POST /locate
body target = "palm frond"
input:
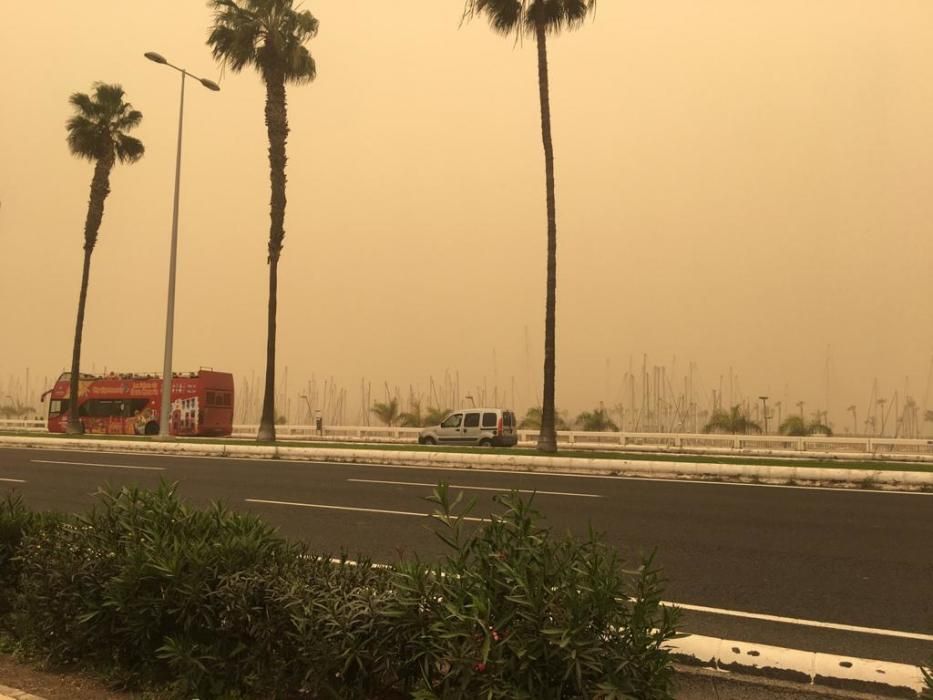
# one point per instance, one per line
(269, 35)
(98, 128)
(522, 17)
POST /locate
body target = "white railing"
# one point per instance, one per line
(712, 443)
(697, 443)
(30, 425)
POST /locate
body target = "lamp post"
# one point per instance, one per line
(170, 306)
(764, 411)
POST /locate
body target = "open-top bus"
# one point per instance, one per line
(130, 404)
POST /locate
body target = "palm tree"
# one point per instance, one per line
(412, 417)
(597, 421)
(532, 419)
(97, 132)
(434, 416)
(538, 18)
(796, 426)
(268, 35)
(387, 412)
(733, 421)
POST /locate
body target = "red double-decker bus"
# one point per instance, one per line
(130, 404)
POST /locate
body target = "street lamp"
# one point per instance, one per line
(764, 411)
(170, 307)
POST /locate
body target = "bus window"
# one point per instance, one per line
(133, 406)
(101, 408)
(58, 406)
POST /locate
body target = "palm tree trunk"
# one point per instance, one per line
(100, 188)
(74, 426)
(277, 128)
(547, 438)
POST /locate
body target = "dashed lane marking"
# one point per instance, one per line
(349, 508)
(98, 464)
(502, 489)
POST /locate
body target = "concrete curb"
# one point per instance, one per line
(804, 667)
(480, 460)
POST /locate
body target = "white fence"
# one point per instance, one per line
(699, 443)
(711, 443)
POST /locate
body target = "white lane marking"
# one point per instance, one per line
(350, 508)
(803, 622)
(503, 489)
(97, 464)
(14, 481)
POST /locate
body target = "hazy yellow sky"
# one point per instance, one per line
(741, 184)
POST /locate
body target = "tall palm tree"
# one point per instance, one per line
(538, 18)
(97, 132)
(270, 36)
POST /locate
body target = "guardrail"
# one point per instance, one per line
(711, 443)
(32, 426)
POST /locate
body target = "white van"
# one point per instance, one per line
(486, 427)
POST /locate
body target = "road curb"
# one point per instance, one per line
(569, 465)
(885, 678)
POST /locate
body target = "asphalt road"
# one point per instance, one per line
(787, 566)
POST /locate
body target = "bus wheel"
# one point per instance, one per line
(152, 428)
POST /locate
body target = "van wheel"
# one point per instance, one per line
(430, 441)
(485, 442)
(152, 428)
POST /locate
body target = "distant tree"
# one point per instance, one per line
(412, 418)
(796, 426)
(538, 19)
(270, 36)
(387, 412)
(532, 420)
(733, 421)
(97, 132)
(434, 415)
(928, 416)
(16, 410)
(596, 421)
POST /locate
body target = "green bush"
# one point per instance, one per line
(15, 522)
(132, 584)
(514, 611)
(927, 693)
(214, 604)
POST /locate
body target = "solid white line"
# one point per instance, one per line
(802, 622)
(14, 481)
(96, 464)
(771, 618)
(503, 489)
(350, 508)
